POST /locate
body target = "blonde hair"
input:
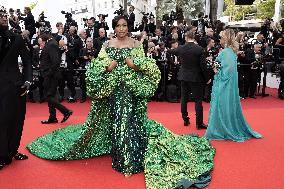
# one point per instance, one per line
(240, 36)
(230, 39)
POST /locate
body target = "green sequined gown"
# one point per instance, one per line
(117, 124)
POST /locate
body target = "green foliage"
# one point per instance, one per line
(265, 9)
(262, 8)
(190, 8)
(236, 12)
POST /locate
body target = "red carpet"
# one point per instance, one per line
(254, 164)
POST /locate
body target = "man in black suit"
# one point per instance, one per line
(14, 84)
(98, 42)
(90, 28)
(251, 72)
(29, 21)
(131, 19)
(49, 66)
(193, 75)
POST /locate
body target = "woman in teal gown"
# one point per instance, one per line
(119, 82)
(226, 120)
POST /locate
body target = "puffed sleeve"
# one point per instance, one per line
(100, 83)
(143, 83)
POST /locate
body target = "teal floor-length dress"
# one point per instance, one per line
(117, 125)
(226, 120)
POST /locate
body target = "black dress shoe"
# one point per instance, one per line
(186, 122)
(49, 121)
(20, 156)
(71, 99)
(66, 116)
(202, 126)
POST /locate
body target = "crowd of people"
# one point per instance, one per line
(78, 48)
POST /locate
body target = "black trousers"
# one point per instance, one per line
(83, 85)
(37, 84)
(196, 89)
(67, 75)
(12, 116)
(251, 82)
(50, 90)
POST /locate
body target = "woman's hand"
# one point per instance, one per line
(130, 63)
(112, 65)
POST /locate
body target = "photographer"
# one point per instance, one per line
(152, 25)
(90, 30)
(131, 19)
(172, 36)
(210, 54)
(243, 69)
(158, 37)
(203, 40)
(69, 22)
(29, 21)
(59, 35)
(173, 84)
(98, 42)
(42, 22)
(144, 26)
(201, 24)
(69, 57)
(265, 28)
(14, 22)
(86, 55)
(253, 58)
(37, 77)
(100, 24)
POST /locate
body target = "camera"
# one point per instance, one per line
(42, 17)
(120, 11)
(103, 16)
(170, 18)
(68, 15)
(69, 22)
(42, 22)
(18, 12)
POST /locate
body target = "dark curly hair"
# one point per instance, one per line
(116, 19)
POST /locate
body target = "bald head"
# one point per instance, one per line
(102, 32)
(82, 34)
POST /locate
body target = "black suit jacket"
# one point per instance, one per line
(29, 23)
(9, 53)
(193, 64)
(50, 59)
(131, 21)
(249, 56)
(98, 42)
(88, 32)
(36, 56)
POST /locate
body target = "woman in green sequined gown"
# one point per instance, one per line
(119, 81)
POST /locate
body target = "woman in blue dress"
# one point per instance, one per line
(226, 120)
